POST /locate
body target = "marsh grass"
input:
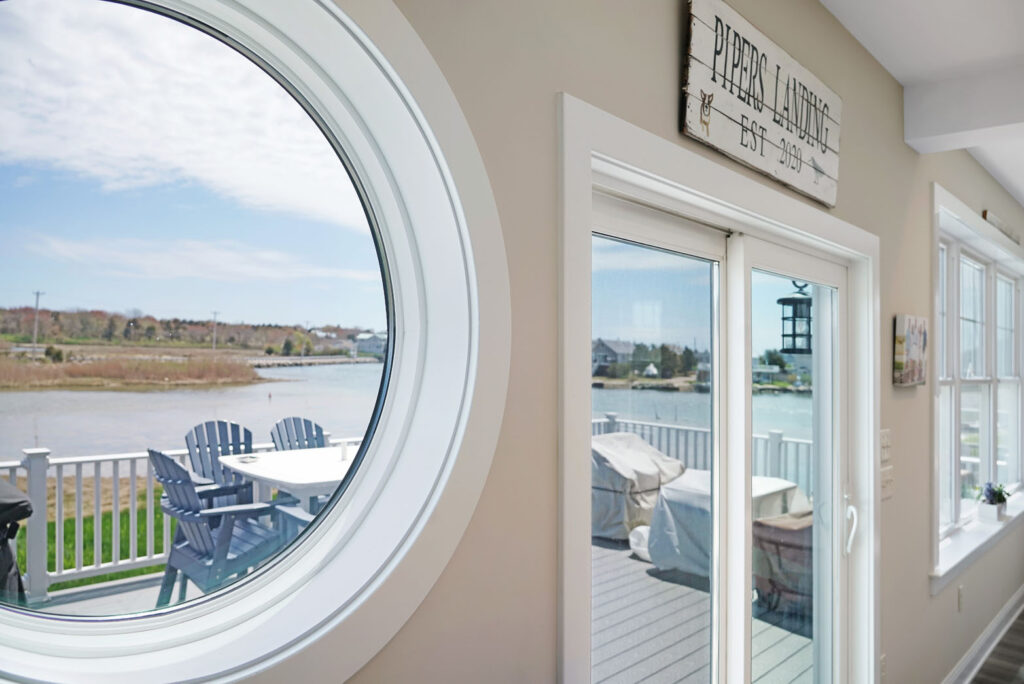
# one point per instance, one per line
(119, 373)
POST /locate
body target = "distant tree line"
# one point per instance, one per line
(773, 357)
(135, 327)
(668, 359)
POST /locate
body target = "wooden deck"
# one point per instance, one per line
(653, 626)
(119, 597)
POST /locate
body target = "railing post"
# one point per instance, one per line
(774, 463)
(36, 463)
(612, 419)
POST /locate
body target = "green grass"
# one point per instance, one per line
(107, 546)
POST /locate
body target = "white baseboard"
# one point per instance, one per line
(979, 651)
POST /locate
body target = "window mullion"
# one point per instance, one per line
(1018, 371)
(990, 328)
(951, 351)
(953, 335)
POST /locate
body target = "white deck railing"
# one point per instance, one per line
(91, 474)
(773, 454)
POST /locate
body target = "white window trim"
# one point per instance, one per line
(367, 565)
(957, 545)
(602, 152)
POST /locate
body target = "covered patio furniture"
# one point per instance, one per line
(209, 441)
(14, 506)
(680, 536)
(626, 474)
(212, 545)
(783, 562)
(297, 433)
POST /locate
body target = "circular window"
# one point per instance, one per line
(331, 238)
(196, 375)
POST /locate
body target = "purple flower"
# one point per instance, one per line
(993, 494)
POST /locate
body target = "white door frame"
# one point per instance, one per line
(602, 152)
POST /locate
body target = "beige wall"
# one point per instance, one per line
(491, 616)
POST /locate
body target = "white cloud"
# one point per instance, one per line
(223, 260)
(133, 99)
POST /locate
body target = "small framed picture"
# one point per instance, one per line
(909, 350)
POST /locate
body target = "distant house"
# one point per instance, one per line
(375, 343)
(763, 374)
(334, 344)
(603, 353)
(323, 334)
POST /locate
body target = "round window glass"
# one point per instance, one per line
(194, 318)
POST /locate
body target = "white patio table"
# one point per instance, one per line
(680, 535)
(303, 473)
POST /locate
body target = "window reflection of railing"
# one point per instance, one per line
(97, 499)
(773, 454)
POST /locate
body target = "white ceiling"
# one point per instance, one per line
(962, 68)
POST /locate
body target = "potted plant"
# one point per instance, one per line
(993, 502)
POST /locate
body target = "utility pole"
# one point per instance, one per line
(35, 328)
(215, 330)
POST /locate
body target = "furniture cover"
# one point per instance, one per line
(680, 537)
(626, 474)
(783, 562)
(14, 506)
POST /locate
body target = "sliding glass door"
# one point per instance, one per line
(719, 530)
(653, 435)
(793, 469)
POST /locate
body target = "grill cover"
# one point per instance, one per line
(14, 506)
(626, 474)
(784, 562)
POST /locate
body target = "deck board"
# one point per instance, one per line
(647, 626)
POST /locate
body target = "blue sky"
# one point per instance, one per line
(157, 169)
(647, 295)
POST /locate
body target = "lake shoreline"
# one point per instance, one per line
(122, 373)
(86, 421)
(101, 385)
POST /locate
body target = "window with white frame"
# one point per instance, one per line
(979, 378)
(368, 561)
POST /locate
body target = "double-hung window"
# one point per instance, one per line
(978, 404)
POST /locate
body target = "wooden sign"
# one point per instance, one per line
(745, 96)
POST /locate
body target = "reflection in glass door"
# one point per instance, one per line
(652, 361)
(792, 478)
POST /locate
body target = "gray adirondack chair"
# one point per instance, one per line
(212, 545)
(209, 441)
(297, 433)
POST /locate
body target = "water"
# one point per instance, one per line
(790, 413)
(79, 423)
(338, 397)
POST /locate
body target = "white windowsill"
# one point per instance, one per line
(965, 545)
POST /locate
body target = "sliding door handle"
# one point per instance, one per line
(851, 512)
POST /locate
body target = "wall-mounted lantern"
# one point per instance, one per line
(796, 321)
